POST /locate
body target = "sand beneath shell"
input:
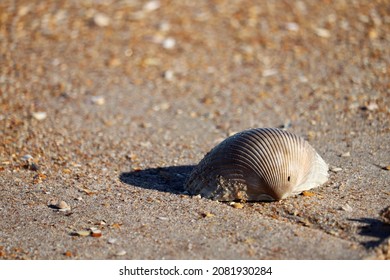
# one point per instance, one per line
(133, 95)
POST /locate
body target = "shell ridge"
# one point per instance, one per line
(273, 149)
(273, 168)
(303, 156)
(258, 144)
(259, 152)
(247, 149)
(296, 148)
(242, 156)
(264, 157)
(283, 159)
(228, 159)
(262, 145)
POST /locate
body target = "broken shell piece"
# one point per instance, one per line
(120, 253)
(112, 240)
(309, 194)
(33, 166)
(372, 106)
(346, 207)
(346, 154)
(30, 164)
(96, 232)
(151, 6)
(68, 254)
(39, 115)
(98, 100)
(207, 215)
(262, 164)
(101, 20)
(27, 158)
(322, 32)
(335, 169)
(169, 75)
(63, 206)
(60, 206)
(169, 43)
(237, 205)
(83, 233)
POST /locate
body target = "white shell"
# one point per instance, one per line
(262, 164)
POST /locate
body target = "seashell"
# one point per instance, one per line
(262, 164)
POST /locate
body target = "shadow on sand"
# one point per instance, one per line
(374, 228)
(167, 179)
(172, 179)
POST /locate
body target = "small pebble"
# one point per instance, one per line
(309, 194)
(322, 32)
(83, 233)
(101, 20)
(146, 144)
(96, 233)
(169, 75)
(27, 157)
(169, 43)
(98, 100)
(63, 206)
(292, 26)
(208, 215)
(111, 240)
(346, 154)
(30, 164)
(39, 115)
(66, 171)
(287, 124)
(373, 34)
(33, 166)
(372, 106)
(151, 61)
(128, 52)
(164, 26)
(303, 79)
(23, 10)
(151, 6)
(237, 205)
(163, 218)
(68, 254)
(120, 253)
(335, 169)
(347, 208)
(269, 72)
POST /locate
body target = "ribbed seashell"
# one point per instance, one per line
(261, 164)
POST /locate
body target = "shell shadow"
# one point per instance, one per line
(166, 179)
(374, 228)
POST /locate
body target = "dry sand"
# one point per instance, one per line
(116, 101)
